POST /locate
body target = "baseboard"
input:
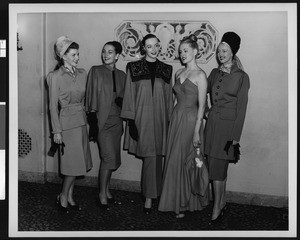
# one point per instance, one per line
(134, 186)
(31, 177)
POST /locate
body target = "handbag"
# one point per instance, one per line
(199, 174)
(54, 147)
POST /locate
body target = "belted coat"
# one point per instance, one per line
(66, 106)
(67, 93)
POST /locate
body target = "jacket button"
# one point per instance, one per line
(216, 93)
(218, 87)
(220, 80)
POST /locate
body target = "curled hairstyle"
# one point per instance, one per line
(191, 40)
(60, 61)
(143, 42)
(118, 47)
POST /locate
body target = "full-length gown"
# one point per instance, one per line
(176, 194)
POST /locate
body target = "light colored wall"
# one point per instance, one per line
(31, 89)
(263, 168)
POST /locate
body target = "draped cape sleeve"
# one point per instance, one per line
(92, 88)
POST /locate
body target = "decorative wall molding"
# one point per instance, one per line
(131, 33)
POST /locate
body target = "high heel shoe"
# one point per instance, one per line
(180, 215)
(74, 207)
(101, 205)
(111, 200)
(224, 209)
(60, 207)
(218, 219)
(147, 210)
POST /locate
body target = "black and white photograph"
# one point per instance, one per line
(152, 120)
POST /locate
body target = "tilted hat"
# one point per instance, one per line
(62, 44)
(233, 40)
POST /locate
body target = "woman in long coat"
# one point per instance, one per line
(148, 105)
(68, 118)
(104, 94)
(228, 88)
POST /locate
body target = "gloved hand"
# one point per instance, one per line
(236, 149)
(94, 129)
(119, 101)
(227, 146)
(133, 132)
(54, 147)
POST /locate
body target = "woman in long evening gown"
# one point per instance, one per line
(185, 132)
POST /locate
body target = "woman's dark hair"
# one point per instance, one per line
(60, 61)
(118, 47)
(191, 40)
(142, 44)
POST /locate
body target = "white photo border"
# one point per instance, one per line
(290, 8)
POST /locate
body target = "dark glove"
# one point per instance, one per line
(94, 129)
(133, 132)
(227, 146)
(236, 150)
(119, 102)
(54, 147)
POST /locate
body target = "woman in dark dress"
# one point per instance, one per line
(148, 105)
(228, 88)
(104, 94)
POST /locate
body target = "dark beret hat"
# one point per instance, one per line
(233, 40)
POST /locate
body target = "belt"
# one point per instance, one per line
(72, 105)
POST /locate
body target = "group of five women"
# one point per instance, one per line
(161, 130)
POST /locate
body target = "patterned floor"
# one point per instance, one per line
(37, 212)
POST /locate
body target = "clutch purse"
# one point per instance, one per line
(199, 174)
(54, 147)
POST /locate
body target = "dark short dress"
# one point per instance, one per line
(104, 85)
(109, 139)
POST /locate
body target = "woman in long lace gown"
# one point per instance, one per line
(185, 132)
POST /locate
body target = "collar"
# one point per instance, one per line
(109, 67)
(139, 70)
(229, 69)
(226, 69)
(67, 70)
